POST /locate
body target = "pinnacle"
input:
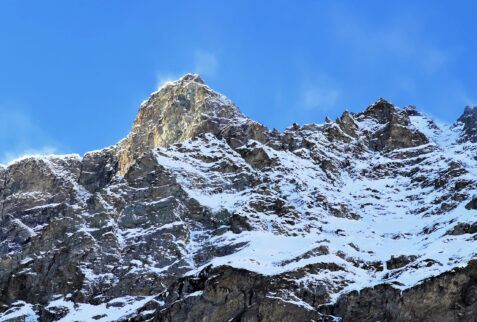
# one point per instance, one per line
(381, 110)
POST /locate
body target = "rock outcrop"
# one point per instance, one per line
(202, 214)
(469, 121)
(450, 297)
(396, 132)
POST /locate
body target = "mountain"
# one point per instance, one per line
(201, 214)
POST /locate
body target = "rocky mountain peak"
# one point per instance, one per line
(469, 121)
(179, 111)
(395, 130)
(382, 111)
(190, 94)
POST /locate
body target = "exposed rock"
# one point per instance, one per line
(98, 169)
(347, 124)
(461, 184)
(256, 156)
(469, 123)
(239, 224)
(202, 214)
(399, 261)
(382, 111)
(463, 228)
(471, 204)
(449, 297)
(180, 111)
(334, 133)
(411, 111)
(396, 134)
(227, 294)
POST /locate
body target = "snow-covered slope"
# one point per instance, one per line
(282, 225)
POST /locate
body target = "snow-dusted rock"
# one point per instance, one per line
(469, 120)
(203, 214)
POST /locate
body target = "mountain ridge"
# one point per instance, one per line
(382, 110)
(201, 213)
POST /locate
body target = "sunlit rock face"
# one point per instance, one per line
(181, 110)
(202, 214)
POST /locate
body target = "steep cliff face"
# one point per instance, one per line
(203, 214)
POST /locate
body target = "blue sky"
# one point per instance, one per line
(73, 73)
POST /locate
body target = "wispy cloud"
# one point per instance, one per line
(205, 63)
(163, 79)
(434, 59)
(201, 62)
(9, 156)
(320, 98)
(19, 135)
(464, 96)
(318, 92)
